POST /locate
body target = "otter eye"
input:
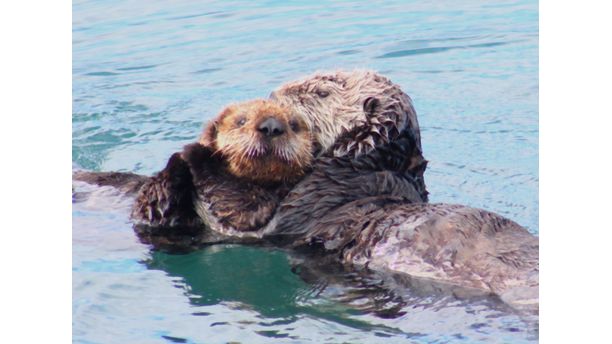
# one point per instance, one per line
(322, 93)
(294, 125)
(240, 121)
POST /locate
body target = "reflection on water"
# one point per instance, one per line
(391, 306)
(146, 74)
(231, 292)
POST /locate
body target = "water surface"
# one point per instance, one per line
(146, 74)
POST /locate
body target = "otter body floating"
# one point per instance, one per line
(360, 200)
(452, 244)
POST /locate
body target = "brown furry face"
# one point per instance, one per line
(335, 102)
(261, 141)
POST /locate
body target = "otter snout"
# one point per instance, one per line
(271, 127)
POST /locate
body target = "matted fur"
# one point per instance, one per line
(333, 103)
(452, 244)
(249, 153)
(351, 113)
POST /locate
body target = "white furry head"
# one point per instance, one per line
(333, 103)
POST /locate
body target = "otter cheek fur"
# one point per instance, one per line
(261, 141)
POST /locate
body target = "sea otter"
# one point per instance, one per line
(231, 181)
(350, 113)
(364, 209)
(233, 178)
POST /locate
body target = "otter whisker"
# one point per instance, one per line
(217, 151)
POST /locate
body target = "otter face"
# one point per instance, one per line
(332, 103)
(261, 141)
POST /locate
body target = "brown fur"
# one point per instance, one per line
(234, 177)
(230, 181)
(248, 153)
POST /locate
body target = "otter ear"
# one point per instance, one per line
(370, 104)
(209, 136)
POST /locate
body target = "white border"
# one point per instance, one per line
(575, 233)
(36, 170)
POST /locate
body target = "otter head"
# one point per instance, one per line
(336, 102)
(260, 141)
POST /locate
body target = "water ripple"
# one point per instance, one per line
(207, 70)
(421, 51)
(100, 73)
(136, 68)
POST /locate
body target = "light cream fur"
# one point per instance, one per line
(333, 103)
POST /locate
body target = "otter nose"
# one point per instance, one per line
(271, 127)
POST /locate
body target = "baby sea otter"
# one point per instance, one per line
(260, 141)
(232, 179)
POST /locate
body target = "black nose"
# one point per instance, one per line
(271, 127)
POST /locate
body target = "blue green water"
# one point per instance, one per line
(146, 74)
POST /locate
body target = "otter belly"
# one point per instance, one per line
(451, 244)
(461, 246)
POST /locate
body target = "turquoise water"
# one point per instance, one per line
(146, 74)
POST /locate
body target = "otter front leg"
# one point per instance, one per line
(400, 155)
(166, 199)
(126, 182)
(379, 127)
(386, 124)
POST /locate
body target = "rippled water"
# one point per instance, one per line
(146, 74)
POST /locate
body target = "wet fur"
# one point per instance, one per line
(283, 158)
(351, 113)
(452, 244)
(195, 201)
(233, 178)
(229, 182)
